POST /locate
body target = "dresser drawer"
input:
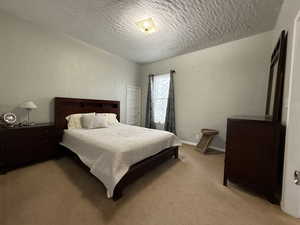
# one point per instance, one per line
(2, 161)
(24, 145)
(18, 152)
(253, 155)
(31, 132)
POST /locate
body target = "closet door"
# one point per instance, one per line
(133, 105)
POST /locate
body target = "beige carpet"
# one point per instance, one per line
(188, 191)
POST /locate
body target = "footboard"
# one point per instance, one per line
(139, 169)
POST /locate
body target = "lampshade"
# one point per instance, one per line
(28, 105)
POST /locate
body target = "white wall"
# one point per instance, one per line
(216, 83)
(285, 21)
(291, 192)
(37, 64)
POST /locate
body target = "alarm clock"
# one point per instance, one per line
(9, 119)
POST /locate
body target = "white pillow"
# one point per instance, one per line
(100, 121)
(111, 118)
(74, 120)
(87, 121)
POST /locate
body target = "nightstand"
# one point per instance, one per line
(20, 146)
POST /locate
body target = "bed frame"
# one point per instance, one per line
(67, 106)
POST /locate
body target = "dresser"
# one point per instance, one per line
(254, 155)
(20, 146)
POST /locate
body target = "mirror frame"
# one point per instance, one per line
(278, 59)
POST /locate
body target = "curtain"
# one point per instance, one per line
(170, 124)
(149, 107)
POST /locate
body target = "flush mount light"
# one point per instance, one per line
(146, 25)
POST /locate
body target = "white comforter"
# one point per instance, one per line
(109, 152)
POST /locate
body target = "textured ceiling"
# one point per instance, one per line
(183, 25)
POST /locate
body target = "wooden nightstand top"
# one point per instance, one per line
(37, 125)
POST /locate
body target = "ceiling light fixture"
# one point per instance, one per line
(146, 25)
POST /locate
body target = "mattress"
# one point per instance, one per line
(109, 152)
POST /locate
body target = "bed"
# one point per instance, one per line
(116, 155)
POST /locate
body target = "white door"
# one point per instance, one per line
(133, 105)
(291, 191)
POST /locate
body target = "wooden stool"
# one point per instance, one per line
(207, 137)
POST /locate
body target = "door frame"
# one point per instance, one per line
(292, 65)
(286, 204)
(140, 103)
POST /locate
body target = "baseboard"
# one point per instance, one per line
(217, 148)
(211, 147)
(188, 142)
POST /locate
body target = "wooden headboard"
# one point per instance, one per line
(66, 106)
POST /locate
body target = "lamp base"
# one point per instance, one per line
(28, 122)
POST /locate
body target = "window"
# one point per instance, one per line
(160, 98)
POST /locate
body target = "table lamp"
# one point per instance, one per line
(28, 106)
